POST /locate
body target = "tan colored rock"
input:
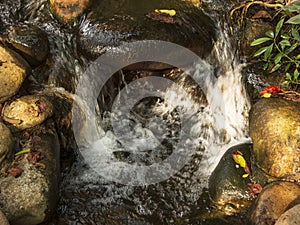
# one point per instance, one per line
(13, 71)
(273, 201)
(6, 141)
(27, 111)
(67, 10)
(32, 197)
(3, 220)
(290, 217)
(275, 132)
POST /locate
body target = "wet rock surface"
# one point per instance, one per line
(274, 201)
(112, 23)
(290, 217)
(227, 188)
(13, 71)
(31, 197)
(27, 111)
(30, 41)
(275, 131)
(6, 141)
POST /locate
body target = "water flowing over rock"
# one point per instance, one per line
(27, 111)
(275, 131)
(13, 71)
(273, 201)
(31, 198)
(6, 141)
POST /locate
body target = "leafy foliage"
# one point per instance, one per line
(282, 49)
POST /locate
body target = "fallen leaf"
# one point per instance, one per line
(238, 158)
(170, 12)
(266, 95)
(262, 14)
(247, 168)
(254, 188)
(270, 90)
(16, 172)
(33, 158)
(245, 175)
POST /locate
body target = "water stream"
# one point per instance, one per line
(149, 134)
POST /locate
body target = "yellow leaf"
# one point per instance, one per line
(267, 95)
(170, 12)
(239, 159)
(245, 175)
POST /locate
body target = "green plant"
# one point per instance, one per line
(284, 41)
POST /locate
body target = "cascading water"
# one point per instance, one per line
(148, 134)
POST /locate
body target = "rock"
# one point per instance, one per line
(3, 219)
(13, 70)
(273, 201)
(66, 10)
(27, 111)
(112, 23)
(227, 188)
(254, 29)
(6, 141)
(275, 132)
(30, 41)
(32, 197)
(290, 217)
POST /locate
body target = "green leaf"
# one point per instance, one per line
(294, 20)
(294, 7)
(287, 66)
(292, 48)
(297, 57)
(268, 52)
(285, 82)
(276, 67)
(285, 36)
(260, 41)
(284, 43)
(288, 76)
(278, 57)
(296, 74)
(266, 66)
(295, 34)
(278, 27)
(270, 34)
(260, 51)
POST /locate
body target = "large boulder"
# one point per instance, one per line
(27, 111)
(13, 71)
(6, 141)
(29, 193)
(275, 131)
(273, 201)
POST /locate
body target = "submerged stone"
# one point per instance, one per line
(13, 71)
(227, 187)
(275, 131)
